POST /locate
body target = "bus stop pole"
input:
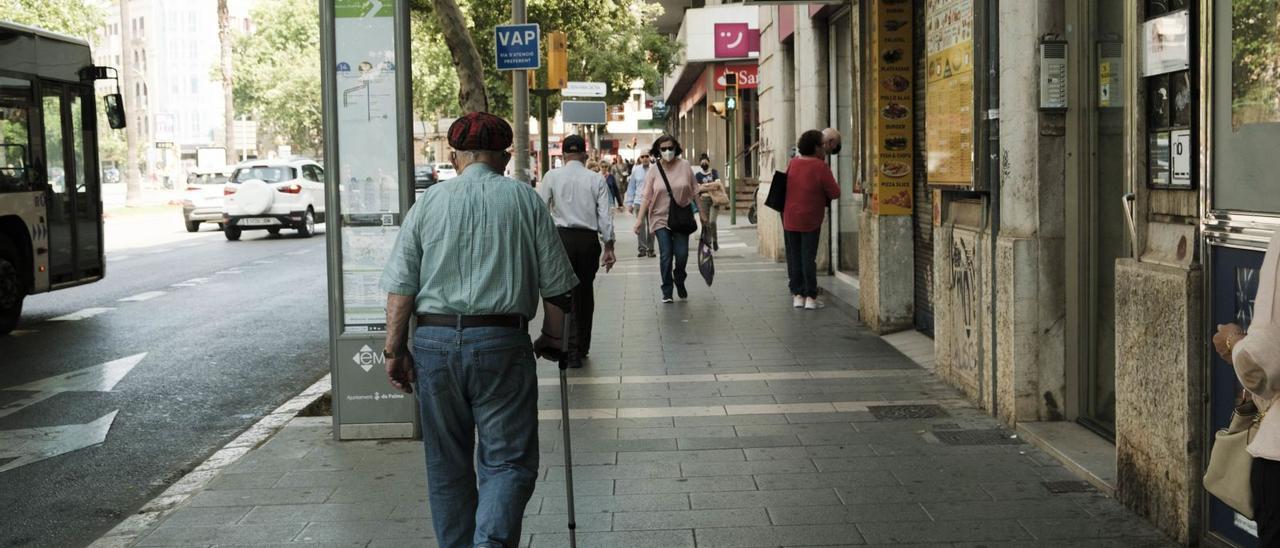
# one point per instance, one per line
(520, 104)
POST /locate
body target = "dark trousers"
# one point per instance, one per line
(613, 190)
(1265, 478)
(802, 262)
(583, 248)
(673, 256)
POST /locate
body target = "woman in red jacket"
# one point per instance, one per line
(810, 189)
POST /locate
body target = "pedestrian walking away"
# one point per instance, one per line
(668, 186)
(471, 259)
(579, 203)
(635, 191)
(1256, 359)
(709, 187)
(810, 189)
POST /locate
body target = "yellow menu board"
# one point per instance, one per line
(949, 89)
(892, 69)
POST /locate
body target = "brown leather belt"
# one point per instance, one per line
(514, 321)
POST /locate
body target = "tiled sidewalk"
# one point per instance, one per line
(729, 419)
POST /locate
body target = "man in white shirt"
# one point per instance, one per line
(579, 202)
(635, 192)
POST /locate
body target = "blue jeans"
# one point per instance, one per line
(672, 246)
(478, 379)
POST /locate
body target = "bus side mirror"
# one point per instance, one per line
(115, 110)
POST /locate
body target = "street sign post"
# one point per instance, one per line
(367, 128)
(585, 89)
(518, 46)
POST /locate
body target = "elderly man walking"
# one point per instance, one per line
(579, 203)
(635, 193)
(471, 259)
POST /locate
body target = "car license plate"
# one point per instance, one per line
(258, 222)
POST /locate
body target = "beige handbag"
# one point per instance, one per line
(719, 197)
(1230, 463)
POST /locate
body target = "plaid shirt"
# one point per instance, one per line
(480, 243)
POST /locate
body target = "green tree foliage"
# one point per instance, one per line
(277, 72)
(78, 18)
(1255, 68)
(611, 41)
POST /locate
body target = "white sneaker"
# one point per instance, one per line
(812, 304)
(797, 301)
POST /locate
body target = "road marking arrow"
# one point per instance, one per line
(99, 378)
(28, 445)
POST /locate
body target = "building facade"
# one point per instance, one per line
(181, 101)
(1067, 195)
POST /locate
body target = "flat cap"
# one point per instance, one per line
(480, 131)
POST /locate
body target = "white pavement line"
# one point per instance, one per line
(264, 262)
(741, 377)
(727, 410)
(191, 283)
(158, 251)
(299, 252)
(81, 315)
(139, 524)
(142, 297)
(28, 445)
(229, 271)
(734, 245)
(115, 259)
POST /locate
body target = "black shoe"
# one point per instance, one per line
(642, 255)
(681, 291)
(652, 254)
(715, 246)
(575, 362)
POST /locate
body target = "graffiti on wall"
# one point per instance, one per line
(964, 291)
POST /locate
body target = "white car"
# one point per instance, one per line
(273, 194)
(445, 171)
(202, 200)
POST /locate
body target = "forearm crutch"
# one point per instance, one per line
(564, 423)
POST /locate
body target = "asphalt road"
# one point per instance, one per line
(243, 331)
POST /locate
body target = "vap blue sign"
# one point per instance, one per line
(518, 47)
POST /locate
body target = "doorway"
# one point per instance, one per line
(1096, 235)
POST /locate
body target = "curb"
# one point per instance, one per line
(135, 526)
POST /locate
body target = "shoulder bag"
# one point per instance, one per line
(777, 197)
(1230, 464)
(680, 218)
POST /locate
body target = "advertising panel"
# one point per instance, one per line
(949, 85)
(367, 145)
(892, 69)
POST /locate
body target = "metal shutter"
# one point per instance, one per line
(922, 213)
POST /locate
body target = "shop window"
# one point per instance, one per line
(1169, 38)
(1245, 105)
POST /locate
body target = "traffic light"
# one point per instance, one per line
(730, 90)
(557, 60)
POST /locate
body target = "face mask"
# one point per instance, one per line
(706, 167)
(668, 155)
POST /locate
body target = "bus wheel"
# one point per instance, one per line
(11, 291)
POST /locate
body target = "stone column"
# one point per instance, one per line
(777, 112)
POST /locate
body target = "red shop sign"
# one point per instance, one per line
(748, 76)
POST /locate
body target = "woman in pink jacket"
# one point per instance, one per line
(1256, 359)
(673, 247)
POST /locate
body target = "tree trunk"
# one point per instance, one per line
(228, 99)
(466, 59)
(133, 112)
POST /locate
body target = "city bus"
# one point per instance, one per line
(50, 195)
